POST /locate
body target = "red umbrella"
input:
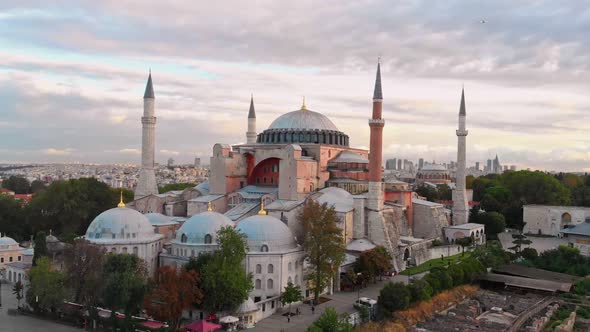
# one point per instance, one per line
(202, 326)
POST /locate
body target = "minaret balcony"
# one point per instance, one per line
(462, 132)
(377, 121)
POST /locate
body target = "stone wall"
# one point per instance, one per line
(429, 219)
(548, 220)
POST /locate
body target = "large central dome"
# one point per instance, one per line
(303, 126)
(303, 119)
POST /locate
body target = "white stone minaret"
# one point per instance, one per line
(146, 185)
(251, 133)
(460, 204)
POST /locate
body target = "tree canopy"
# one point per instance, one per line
(18, 184)
(292, 293)
(329, 321)
(84, 268)
(324, 245)
(374, 262)
(46, 290)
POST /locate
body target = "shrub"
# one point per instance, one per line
(529, 254)
(393, 297)
(420, 290)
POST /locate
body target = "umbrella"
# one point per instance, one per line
(202, 326)
(229, 320)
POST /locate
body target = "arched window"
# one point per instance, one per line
(183, 238)
(135, 251)
(270, 269)
(258, 284)
(296, 265)
(290, 266)
(269, 284)
(296, 279)
(124, 250)
(208, 239)
(264, 248)
(258, 268)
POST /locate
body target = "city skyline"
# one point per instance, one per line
(74, 93)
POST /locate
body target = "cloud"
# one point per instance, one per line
(130, 151)
(170, 152)
(58, 152)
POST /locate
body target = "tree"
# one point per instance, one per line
(197, 264)
(12, 222)
(17, 290)
(18, 184)
(393, 297)
(427, 192)
(124, 286)
(444, 192)
(324, 245)
(46, 289)
(443, 276)
(84, 264)
(457, 274)
(172, 293)
(225, 283)
(37, 186)
(329, 321)
(40, 247)
(291, 294)
(495, 223)
(464, 242)
(529, 254)
(491, 254)
(374, 262)
(519, 240)
(420, 290)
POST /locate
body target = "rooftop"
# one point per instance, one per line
(467, 226)
(579, 229)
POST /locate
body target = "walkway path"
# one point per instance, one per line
(19, 323)
(341, 301)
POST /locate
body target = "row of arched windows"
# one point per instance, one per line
(269, 284)
(208, 239)
(269, 269)
(317, 137)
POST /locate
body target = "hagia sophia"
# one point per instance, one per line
(260, 187)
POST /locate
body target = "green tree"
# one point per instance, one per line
(457, 274)
(18, 184)
(224, 281)
(464, 242)
(428, 192)
(175, 186)
(37, 186)
(393, 297)
(46, 286)
(324, 245)
(374, 262)
(445, 280)
(420, 290)
(40, 247)
(494, 222)
(84, 271)
(519, 239)
(198, 264)
(491, 254)
(12, 222)
(292, 293)
(444, 192)
(329, 321)
(124, 286)
(17, 290)
(530, 254)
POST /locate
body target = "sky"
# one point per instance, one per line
(72, 75)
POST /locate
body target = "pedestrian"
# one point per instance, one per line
(313, 309)
(288, 318)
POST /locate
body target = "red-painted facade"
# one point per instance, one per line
(266, 173)
(404, 198)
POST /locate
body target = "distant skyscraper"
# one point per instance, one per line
(146, 185)
(489, 165)
(390, 164)
(170, 162)
(505, 168)
(477, 165)
(399, 165)
(497, 167)
(420, 163)
(197, 162)
(513, 167)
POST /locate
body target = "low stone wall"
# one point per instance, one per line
(568, 324)
(449, 250)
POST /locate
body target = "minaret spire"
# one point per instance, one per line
(377, 93)
(146, 184)
(460, 203)
(251, 133)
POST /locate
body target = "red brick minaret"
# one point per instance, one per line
(376, 123)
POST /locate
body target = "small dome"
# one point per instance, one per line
(197, 227)
(120, 224)
(7, 241)
(158, 219)
(303, 119)
(51, 239)
(338, 198)
(349, 157)
(266, 233)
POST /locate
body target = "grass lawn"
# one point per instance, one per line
(437, 262)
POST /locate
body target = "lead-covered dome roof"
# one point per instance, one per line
(303, 119)
(266, 233)
(6, 241)
(121, 225)
(202, 228)
(303, 126)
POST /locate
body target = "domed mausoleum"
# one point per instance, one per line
(124, 230)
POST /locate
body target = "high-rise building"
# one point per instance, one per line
(420, 163)
(489, 165)
(197, 162)
(399, 165)
(460, 204)
(390, 164)
(170, 162)
(477, 166)
(146, 184)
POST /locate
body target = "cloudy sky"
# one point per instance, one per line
(72, 75)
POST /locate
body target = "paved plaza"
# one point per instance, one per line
(21, 323)
(539, 243)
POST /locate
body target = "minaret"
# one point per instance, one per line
(146, 185)
(251, 133)
(460, 205)
(376, 124)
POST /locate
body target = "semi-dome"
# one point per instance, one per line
(158, 219)
(202, 228)
(303, 126)
(303, 119)
(6, 241)
(265, 233)
(120, 224)
(338, 198)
